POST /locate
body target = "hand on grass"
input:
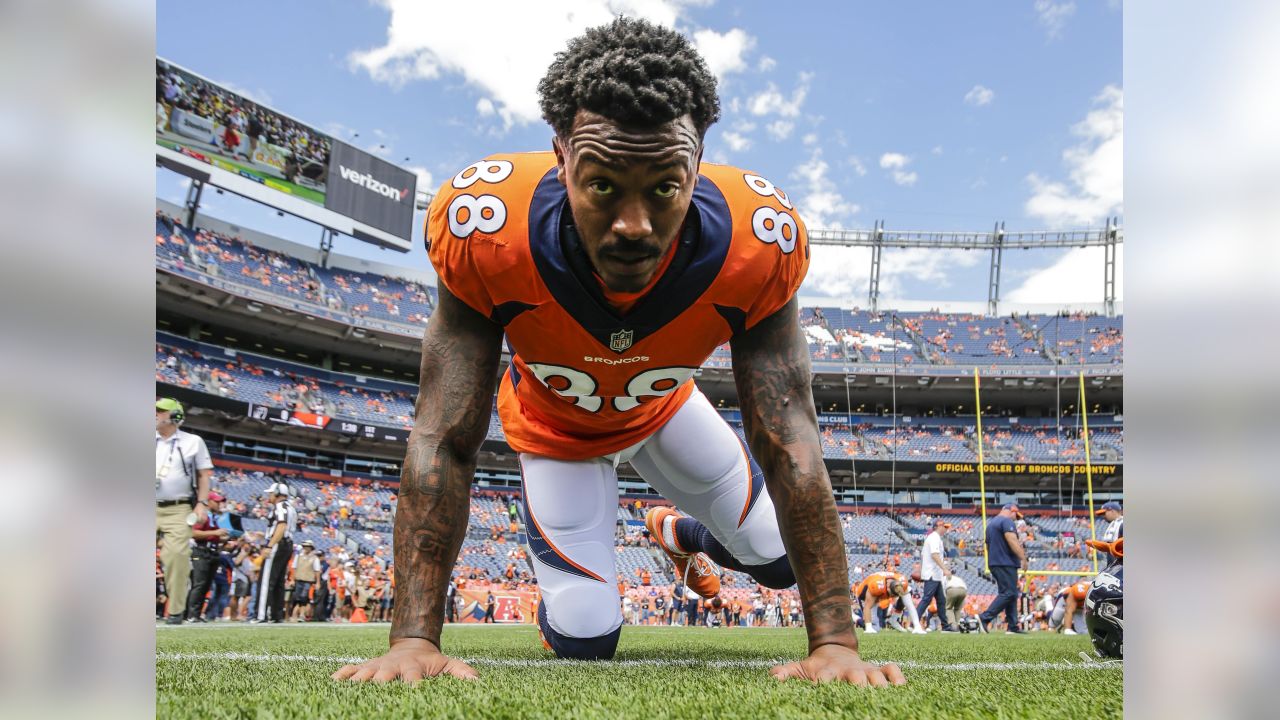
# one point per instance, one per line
(839, 663)
(410, 660)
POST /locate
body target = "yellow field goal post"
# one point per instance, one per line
(1088, 473)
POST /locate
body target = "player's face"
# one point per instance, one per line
(629, 189)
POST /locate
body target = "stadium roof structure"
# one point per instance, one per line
(996, 241)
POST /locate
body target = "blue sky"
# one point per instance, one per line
(949, 117)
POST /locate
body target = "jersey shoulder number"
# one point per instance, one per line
(474, 213)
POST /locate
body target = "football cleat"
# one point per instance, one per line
(695, 570)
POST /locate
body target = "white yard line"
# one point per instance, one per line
(651, 662)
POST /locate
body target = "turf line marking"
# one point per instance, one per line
(649, 662)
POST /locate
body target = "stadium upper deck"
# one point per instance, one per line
(839, 338)
(281, 384)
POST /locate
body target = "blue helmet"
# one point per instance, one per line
(1104, 612)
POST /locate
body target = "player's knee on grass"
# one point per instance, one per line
(586, 636)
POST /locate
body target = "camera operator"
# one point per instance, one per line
(204, 557)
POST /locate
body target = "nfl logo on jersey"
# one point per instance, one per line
(620, 340)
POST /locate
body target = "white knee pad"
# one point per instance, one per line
(571, 509)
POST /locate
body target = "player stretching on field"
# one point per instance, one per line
(615, 266)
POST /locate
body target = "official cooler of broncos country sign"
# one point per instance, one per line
(585, 381)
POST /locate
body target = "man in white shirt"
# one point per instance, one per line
(933, 570)
(183, 473)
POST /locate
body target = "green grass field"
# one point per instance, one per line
(216, 671)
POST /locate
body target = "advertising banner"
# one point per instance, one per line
(509, 606)
(370, 190)
(218, 136)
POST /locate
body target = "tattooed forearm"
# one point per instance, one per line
(460, 355)
(771, 368)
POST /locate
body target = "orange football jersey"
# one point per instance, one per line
(877, 584)
(586, 380)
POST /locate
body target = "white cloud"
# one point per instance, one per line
(894, 160)
(504, 59)
(773, 102)
(425, 182)
(780, 129)
(810, 139)
(1054, 15)
(1094, 187)
(844, 272)
(855, 162)
(736, 141)
(724, 51)
(1076, 276)
(979, 96)
(896, 164)
(820, 202)
(766, 64)
(485, 107)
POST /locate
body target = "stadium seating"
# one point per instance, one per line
(278, 383)
(358, 518)
(836, 335)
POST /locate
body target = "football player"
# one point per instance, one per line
(888, 591)
(1069, 600)
(614, 266)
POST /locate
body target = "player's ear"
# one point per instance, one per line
(561, 160)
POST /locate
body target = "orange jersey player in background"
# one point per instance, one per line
(614, 266)
(886, 589)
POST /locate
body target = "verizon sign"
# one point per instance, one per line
(370, 190)
(371, 183)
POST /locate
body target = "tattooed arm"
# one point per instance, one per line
(460, 354)
(771, 369)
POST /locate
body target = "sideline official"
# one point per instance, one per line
(183, 473)
(275, 568)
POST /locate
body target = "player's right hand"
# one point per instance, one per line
(410, 660)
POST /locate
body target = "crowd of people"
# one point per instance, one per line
(244, 122)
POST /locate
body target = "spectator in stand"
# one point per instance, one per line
(1005, 554)
(183, 470)
(933, 571)
(242, 580)
(306, 570)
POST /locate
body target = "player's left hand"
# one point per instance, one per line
(839, 663)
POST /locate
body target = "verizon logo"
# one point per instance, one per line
(372, 184)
